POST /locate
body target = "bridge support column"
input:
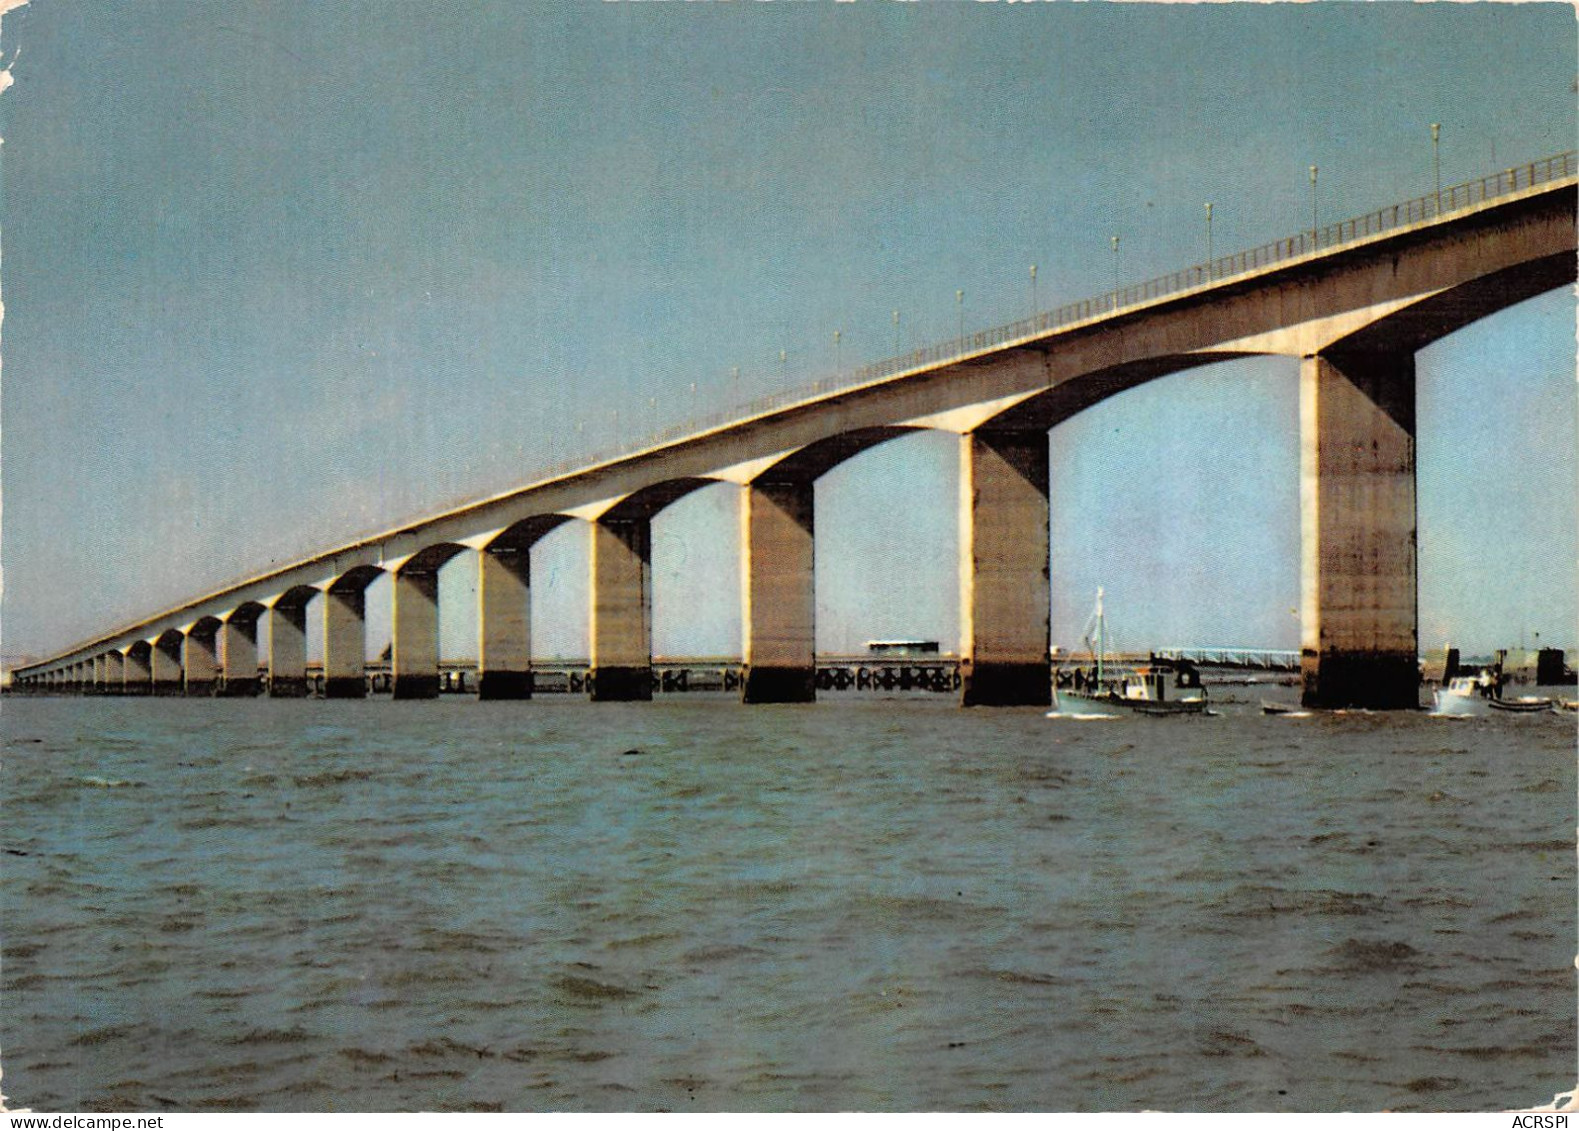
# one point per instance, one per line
(199, 662)
(114, 681)
(139, 673)
(288, 651)
(344, 644)
(414, 652)
(96, 665)
(621, 633)
(164, 665)
(504, 623)
(238, 648)
(1004, 606)
(778, 596)
(1359, 628)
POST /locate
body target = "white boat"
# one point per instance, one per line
(1160, 687)
(1464, 695)
(1479, 695)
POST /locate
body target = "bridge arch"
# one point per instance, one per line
(806, 465)
(1411, 328)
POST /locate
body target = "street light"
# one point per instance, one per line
(959, 301)
(1436, 162)
(838, 356)
(1313, 226)
(896, 333)
(1033, 296)
(1209, 266)
(1115, 272)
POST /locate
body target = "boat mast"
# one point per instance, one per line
(1101, 636)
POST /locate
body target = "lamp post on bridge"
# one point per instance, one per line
(1115, 272)
(1313, 223)
(1436, 162)
(896, 333)
(838, 356)
(1210, 269)
(959, 301)
(1033, 297)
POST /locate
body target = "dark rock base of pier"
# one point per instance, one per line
(415, 687)
(1365, 680)
(620, 685)
(779, 685)
(1006, 685)
(504, 685)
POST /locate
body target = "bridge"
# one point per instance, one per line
(1354, 301)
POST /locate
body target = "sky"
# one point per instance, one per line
(279, 274)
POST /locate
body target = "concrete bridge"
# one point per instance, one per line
(1354, 301)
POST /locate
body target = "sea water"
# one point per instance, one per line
(693, 905)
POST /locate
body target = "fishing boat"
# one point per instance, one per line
(1159, 687)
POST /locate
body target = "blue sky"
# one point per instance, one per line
(276, 274)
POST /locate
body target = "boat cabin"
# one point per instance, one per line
(1150, 683)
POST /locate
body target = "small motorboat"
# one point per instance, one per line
(1292, 710)
(1465, 696)
(1523, 705)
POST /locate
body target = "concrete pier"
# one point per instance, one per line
(1004, 604)
(504, 624)
(414, 654)
(779, 598)
(200, 658)
(621, 623)
(238, 651)
(1359, 628)
(345, 642)
(288, 648)
(114, 673)
(165, 663)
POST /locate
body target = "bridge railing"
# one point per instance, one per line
(1221, 269)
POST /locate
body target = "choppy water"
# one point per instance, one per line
(692, 905)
